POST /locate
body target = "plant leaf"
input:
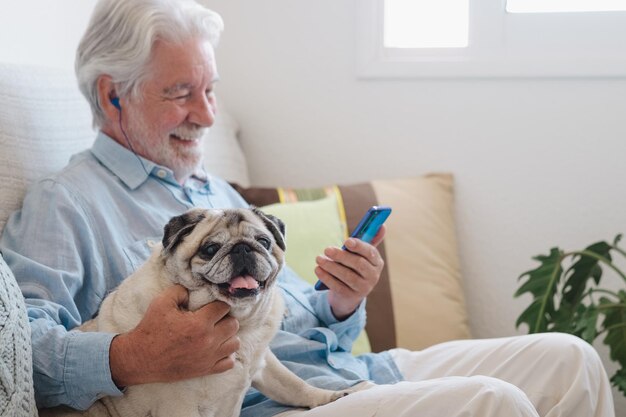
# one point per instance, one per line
(619, 380)
(542, 283)
(584, 269)
(615, 323)
(565, 320)
(586, 323)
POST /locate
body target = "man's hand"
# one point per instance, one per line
(171, 343)
(350, 275)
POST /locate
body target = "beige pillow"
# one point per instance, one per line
(419, 300)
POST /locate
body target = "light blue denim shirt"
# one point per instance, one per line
(81, 231)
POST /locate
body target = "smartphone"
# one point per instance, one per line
(365, 230)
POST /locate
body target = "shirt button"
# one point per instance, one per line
(161, 173)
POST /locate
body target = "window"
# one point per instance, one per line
(491, 38)
(425, 24)
(556, 6)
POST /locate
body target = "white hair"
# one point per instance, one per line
(121, 33)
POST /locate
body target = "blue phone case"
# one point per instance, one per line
(365, 230)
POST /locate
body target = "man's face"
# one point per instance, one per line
(176, 105)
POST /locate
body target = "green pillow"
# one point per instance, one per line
(312, 226)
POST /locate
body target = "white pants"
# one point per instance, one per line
(548, 375)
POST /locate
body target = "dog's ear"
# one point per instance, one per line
(178, 227)
(274, 225)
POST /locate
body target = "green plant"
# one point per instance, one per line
(570, 299)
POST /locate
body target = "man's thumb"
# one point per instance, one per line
(177, 294)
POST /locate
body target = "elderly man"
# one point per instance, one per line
(148, 70)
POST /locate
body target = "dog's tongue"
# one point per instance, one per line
(244, 282)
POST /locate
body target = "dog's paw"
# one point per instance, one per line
(314, 397)
(339, 394)
(358, 387)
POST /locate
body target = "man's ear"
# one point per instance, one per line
(106, 97)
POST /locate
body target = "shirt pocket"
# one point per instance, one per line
(299, 314)
(138, 252)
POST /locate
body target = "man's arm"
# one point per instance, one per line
(70, 368)
(43, 244)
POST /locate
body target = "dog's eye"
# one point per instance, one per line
(210, 250)
(265, 242)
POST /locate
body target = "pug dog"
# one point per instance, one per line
(231, 255)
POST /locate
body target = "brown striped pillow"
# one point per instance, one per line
(419, 299)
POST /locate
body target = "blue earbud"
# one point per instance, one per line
(116, 102)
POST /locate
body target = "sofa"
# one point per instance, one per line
(418, 302)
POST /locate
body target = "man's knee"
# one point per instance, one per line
(450, 396)
(475, 395)
(490, 396)
(568, 350)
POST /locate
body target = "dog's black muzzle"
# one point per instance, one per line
(243, 259)
(244, 263)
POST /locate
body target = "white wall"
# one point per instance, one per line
(538, 163)
(42, 32)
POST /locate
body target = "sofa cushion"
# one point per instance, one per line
(419, 300)
(223, 155)
(16, 370)
(44, 119)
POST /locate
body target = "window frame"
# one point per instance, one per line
(502, 44)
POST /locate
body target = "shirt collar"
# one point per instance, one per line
(132, 169)
(129, 167)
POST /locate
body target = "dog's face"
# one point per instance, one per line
(231, 255)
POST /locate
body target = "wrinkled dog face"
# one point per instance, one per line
(231, 255)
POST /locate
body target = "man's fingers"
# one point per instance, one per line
(215, 312)
(331, 281)
(227, 352)
(379, 236)
(223, 365)
(228, 326)
(345, 275)
(229, 346)
(358, 251)
(176, 294)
